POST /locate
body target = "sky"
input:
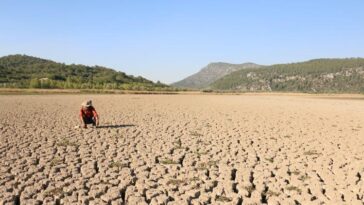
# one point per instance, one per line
(168, 40)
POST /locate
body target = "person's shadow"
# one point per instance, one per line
(115, 126)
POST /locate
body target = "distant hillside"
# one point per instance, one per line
(321, 75)
(210, 73)
(26, 71)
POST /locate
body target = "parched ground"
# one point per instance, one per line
(182, 149)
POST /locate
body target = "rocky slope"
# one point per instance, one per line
(320, 75)
(211, 73)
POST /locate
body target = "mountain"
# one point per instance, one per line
(26, 71)
(210, 73)
(319, 75)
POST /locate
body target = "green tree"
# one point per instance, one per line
(34, 83)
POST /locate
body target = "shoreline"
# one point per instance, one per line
(18, 91)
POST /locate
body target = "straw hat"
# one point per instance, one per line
(87, 103)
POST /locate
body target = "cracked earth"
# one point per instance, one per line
(182, 149)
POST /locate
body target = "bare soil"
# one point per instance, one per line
(182, 149)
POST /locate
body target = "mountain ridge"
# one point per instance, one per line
(316, 75)
(208, 74)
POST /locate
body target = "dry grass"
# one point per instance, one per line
(55, 161)
(249, 188)
(271, 160)
(294, 188)
(65, 142)
(304, 178)
(178, 144)
(296, 172)
(206, 165)
(117, 164)
(196, 134)
(271, 193)
(287, 136)
(176, 182)
(311, 152)
(223, 199)
(168, 161)
(54, 192)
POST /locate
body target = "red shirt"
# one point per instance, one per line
(88, 112)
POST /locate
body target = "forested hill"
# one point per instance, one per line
(26, 71)
(320, 75)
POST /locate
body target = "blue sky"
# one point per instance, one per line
(168, 40)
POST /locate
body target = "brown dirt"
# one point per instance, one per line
(182, 149)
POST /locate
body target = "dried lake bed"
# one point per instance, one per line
(182, 149)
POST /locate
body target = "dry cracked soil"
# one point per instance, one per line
(182, 149)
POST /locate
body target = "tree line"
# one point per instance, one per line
(21, 71)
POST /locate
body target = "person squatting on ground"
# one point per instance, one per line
(88, 114)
